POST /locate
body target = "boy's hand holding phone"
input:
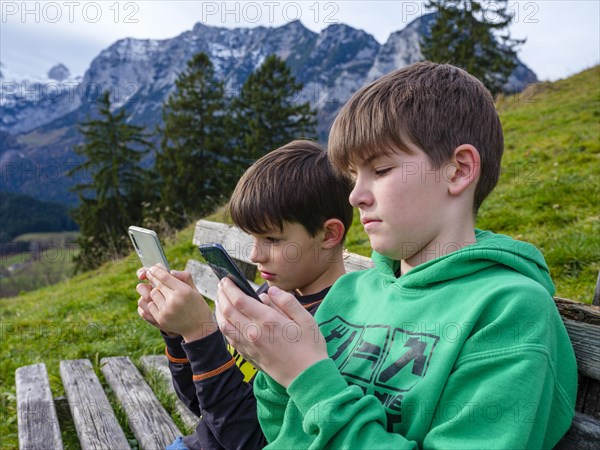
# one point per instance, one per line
(176, 306)
(144, 289)
(279, 335)
(172, 303)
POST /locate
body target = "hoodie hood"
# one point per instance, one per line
(490, 249)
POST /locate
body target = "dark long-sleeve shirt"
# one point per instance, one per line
(215, 383)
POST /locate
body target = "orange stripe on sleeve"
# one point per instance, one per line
(217, 371)
(312, 304)
(176, 360)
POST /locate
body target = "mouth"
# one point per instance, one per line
(266, 275)
(369, 223)
(368, 220)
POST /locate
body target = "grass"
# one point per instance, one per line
(548, 195)
(549, 190)
(36, 273)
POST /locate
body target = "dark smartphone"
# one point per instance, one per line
(223, 266)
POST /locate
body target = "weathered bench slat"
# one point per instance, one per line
(237, 243)
(578, 311)
(584, 434)
(585, 339)
(149, 421)
(160, 365)
(354, 262)
(38, 422)
(588, 396)
(95, 421)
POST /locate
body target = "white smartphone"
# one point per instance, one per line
(147, 246)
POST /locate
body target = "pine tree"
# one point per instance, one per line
(464, 34)
(114, 184)
(265, 115)
(193, 150)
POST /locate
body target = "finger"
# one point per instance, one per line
(290, 306)
(226, 310)
(156, 276)
(153, 310)
(217, 311)
(143, 303)
(141, 273)
(243, 303)
(157, 298)
(147, 317)
(143, 289)
(161, 277)
(229, 330)
(267, 301)
(184, 276)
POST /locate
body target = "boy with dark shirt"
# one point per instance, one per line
(297, 211)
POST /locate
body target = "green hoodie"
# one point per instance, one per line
(466, 351)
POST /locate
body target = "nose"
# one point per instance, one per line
(361, 194)
(258, 254)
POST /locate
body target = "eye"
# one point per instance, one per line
(382, 172)
(273, 240)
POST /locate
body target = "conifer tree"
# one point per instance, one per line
(266, 114)
(466, 33)
(193, 149)
(114, 184)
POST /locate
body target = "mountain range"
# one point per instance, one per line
(38, 125)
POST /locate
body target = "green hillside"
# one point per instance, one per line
(548, 194)
(549, 190)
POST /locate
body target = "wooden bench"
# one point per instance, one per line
(92, 414)
(98, 428)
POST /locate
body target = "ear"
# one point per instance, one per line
(464, 169)
(334, 232)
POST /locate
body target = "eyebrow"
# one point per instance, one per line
(368, 160)
(372, 158)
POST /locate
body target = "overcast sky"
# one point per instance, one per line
(563, 36)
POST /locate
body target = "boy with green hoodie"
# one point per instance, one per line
(453, 341)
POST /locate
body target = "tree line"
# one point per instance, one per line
(20, 214)
(205, 143)
(207, 140)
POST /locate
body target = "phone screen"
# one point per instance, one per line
(223, 266)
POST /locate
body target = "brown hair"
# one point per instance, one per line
(436, 107)
(295, 183)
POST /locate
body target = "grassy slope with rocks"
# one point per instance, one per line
(548, 194)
